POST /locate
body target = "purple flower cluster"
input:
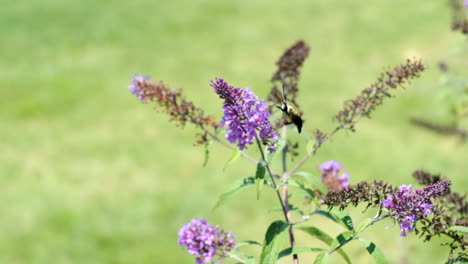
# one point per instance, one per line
(245, 116)
(409, 205)
(330, 178)
(209, 243)
(135, 87)
(466, 3)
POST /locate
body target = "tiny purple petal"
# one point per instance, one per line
(135, 88)
(330, 166)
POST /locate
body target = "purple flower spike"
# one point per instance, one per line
(466, 3)
(408, 205)
(209, 243)
(245, 116)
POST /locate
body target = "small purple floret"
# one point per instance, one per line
(330, 170)
(135, 88)
(331, 166)
(408, 205)
(207, 242)
(245, 116)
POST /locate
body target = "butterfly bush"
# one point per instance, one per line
(209, 243)
(246, 119)
(245, 116)
(408, 205)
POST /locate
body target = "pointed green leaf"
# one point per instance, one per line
(237, 186)
(324, 237)
(297, 250)
(326, 214)
(260, 176)
(342, 238)
(294, 183)
(313, 180)
(321, 259)
(247, 243)
(458, 228)
(235, 154)
(274, 239)
(342, 217)
(317, 233)
(374, 251)
(363, 225)
(239, 256)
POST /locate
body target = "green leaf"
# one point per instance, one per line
(324, 237)
(238, 255)
(374, 251)
(235, 154)
(326, 214)
(247, 243)
(342, 218)
(317, 233)
(458, 228)
(342, 238)
(457, 260)
(297, 250)
(321, 259)
(274, 239)
(313, 180)
(363, 225)
(237, 186)
(294, 183)
(260, 176)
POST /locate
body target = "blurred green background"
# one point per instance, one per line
(88, 174)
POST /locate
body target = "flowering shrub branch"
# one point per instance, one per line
(432, 210)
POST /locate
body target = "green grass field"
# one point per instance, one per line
(90, 175)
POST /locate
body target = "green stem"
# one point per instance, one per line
(314, 151)
(284, 204)
(286, 194)
(354, 236)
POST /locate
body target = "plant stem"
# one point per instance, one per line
(314, 150)
(284, 204)
(285, 193)
(236, 257)
(217, 139)
(354, 236)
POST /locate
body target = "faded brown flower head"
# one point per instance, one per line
(425, 178)
(173, 103)
(288, 72)
(459, 19)
(370, 98)
(364, 192)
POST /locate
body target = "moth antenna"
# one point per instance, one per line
(284, 95)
